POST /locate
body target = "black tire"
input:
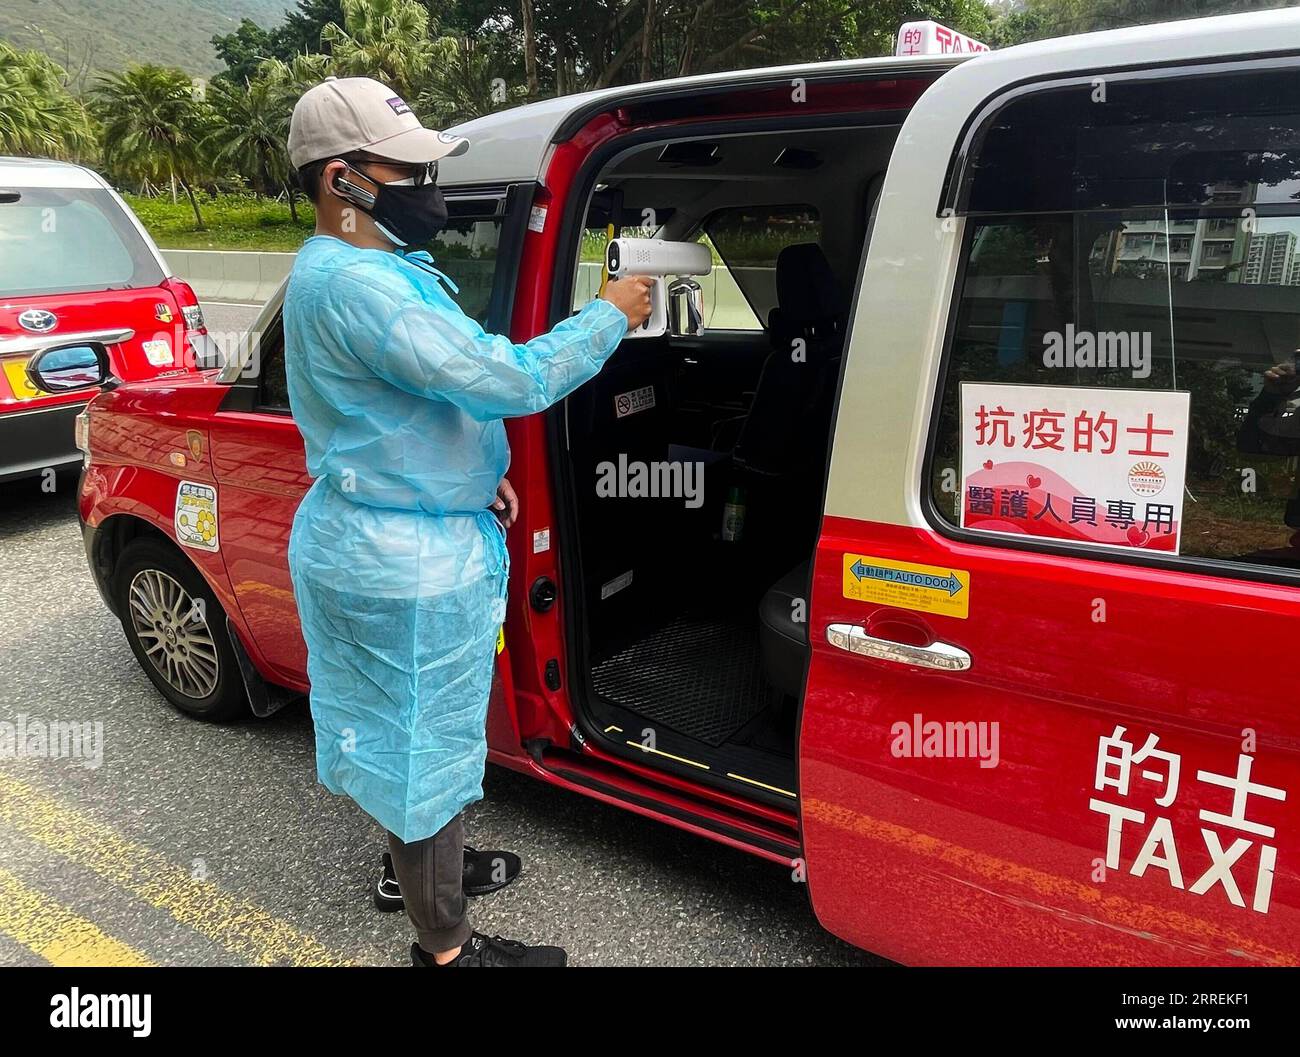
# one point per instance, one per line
(196, 670)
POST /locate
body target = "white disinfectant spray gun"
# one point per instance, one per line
(676, 307)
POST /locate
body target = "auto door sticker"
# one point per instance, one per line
(1148, 796)
(1100, 467)
(196, 516)
(904, 585)
(636, 400)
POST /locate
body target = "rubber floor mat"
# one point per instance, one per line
(701, 677)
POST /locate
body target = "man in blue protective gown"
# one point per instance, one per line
(398, 550)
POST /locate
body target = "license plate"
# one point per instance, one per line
(16, 372)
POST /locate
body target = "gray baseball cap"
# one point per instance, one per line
(345, 114)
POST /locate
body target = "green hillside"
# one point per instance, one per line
(108, 34)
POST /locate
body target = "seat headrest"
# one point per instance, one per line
(806, 288)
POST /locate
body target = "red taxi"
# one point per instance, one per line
(77, 267)
(945, 548)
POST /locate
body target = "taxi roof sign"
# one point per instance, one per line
(930, 38)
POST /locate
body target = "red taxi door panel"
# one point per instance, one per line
(1114, 777)
(261, 470)
(1010, 853)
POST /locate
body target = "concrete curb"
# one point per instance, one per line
(231, 275)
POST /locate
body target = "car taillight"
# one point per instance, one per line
(81, 432)
(193, 324)
(193, 316)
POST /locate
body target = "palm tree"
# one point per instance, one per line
(385, 39)
(38, 115)
(153, 126)
(252, 126)
(290, 79)
(284, 83)
(463, 84)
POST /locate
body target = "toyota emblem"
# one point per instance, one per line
(38, 320)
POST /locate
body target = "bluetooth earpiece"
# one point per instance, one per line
(353, 193)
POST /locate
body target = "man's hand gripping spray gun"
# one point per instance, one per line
(679, 303)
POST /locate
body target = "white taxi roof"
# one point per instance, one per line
(45, 172)
(513, 145)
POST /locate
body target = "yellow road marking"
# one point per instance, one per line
(54, 932)
(668, 755)
(242, 928)
(763, 785)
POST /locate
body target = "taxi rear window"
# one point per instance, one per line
(1155, 140)
(1123, 367)
(70, 240)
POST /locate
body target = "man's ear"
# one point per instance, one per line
(329, 174)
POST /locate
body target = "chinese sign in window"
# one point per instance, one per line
(1103, 467)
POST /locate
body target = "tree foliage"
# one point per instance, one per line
(1037, 19)
(458, 59)
(154, 126)
(389, 40)
(249, 133)
(38, 115)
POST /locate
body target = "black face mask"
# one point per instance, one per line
(411, 214)
(407, 214)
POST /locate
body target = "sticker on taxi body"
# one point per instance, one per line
(903, 585)
(196, 516)
(158, 352)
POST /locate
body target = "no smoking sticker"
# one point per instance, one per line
(196, 516)
(632, 402)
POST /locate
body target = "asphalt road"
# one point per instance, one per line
(197, 844)
(226, 321)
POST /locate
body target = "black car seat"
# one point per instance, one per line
(781, 450)
(774, 438)
(783, 637)
(786, 434)
(783, 630)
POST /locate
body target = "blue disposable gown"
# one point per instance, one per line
(399, 569)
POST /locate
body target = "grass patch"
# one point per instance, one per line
(234, 222)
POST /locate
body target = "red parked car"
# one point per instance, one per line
(940, 542)
(77, 267)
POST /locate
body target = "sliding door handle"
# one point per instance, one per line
(854, 639)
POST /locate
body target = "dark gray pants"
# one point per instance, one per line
(430, 874)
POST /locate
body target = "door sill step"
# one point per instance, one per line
(689, 812)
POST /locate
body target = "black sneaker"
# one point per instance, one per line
(388, 896)
(489, 871)
(484, 872)
(482, 951)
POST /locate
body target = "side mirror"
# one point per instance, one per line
(685, 308)
(69, 368)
